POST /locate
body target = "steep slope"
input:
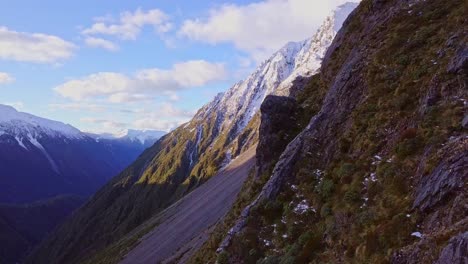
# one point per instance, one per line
(182, 226)
(23, 226)
(41, 158)
(185, 158)
(379, 173)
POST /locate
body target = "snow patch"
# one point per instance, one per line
(227, 159)
(20, 142)
(193, 153)
(303, 207)
(43, 150)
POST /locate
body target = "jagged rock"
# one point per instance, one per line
(448, 177)
(459, 62)
(288, 110)
(465, 122)
(452, 40)
(279, 119)
(433, 94)
(456, 252)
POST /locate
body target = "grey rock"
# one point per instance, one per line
(456, 252)
(465, 122)
(452, 40)
(459, 63)
(279, 120)
(447, 178)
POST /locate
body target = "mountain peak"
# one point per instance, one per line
(15, 122)
(275, 75)
(141, 135)
(341, 13)
(6, 108)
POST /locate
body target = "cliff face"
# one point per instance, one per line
(379, 174)
(279, 124)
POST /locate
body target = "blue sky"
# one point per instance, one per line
(106, 65)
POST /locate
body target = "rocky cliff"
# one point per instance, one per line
(379, 173)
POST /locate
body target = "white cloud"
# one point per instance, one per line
(259, 28)
(82, 106)
(101, 43)
(127, 97)
(33, 47)
(105, 124)
(130, 24)
(168, 110)
(156, 124)
(6, 78)
(117, 87)
(164, 117)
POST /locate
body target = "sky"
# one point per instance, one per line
(105, 66)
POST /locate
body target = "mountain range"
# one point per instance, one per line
(348, 147)
(48, 169)
(60, 159)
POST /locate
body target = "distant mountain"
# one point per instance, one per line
(189, 155)
(41, 158)
(143, 136)
(132, 136)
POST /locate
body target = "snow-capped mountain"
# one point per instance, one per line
(143, 136)
(17, 123)
(309, 59)
(275, 75)
(42, 158)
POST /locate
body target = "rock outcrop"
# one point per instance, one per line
(279, 121)
(449, 178)
(456, 252)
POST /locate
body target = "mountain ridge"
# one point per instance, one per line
(54, 152)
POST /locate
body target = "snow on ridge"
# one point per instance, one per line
(276, 74)
(141, 135)
(243, 100)
(235, 108)
(18, 123)
(341, 13)
(309, 60)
